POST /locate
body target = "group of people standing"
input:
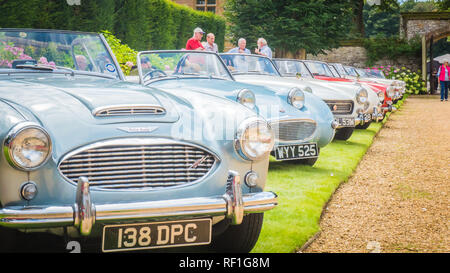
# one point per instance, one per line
(195, 43)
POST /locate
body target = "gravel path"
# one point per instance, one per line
(398, 199)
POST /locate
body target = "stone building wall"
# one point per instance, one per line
(424, 23)
(356, 56)
(422, 27)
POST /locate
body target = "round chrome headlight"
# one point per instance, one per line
(27, 146)
(246, 98)
(296, 98)
(362, 96)
(380, 96)
(254, 139)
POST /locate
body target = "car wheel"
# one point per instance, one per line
(365, 126)
(239, 238)
(344, 133)
(8, 239)
(307, 161)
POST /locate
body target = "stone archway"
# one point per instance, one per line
(431, 27)
(427, 41)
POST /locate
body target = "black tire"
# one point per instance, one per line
(344, 133)
(365, 126)
(8, 240)
(239, 238)
(307, 161)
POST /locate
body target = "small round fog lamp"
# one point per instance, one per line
(251, 179)
(28, 191)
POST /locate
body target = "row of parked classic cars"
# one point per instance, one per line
(177, 158)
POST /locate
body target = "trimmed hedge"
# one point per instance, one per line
(142, 24)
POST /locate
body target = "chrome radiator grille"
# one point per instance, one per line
(294, 130)
(138, 166)
(340, 107)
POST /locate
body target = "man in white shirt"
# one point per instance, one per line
(210, 45)
(263, 48)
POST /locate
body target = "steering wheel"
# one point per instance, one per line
(155, 73)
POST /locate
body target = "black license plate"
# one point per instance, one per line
(289, 152)
(156, 235)
(346, 122)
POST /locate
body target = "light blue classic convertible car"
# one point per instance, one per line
(302, 123)
(88, 155)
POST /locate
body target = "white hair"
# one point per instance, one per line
(241, 40)
(262, 40)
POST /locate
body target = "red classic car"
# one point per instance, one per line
(337, 73)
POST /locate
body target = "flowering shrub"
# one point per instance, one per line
(9, 52)
(413, 80)
(124, 54)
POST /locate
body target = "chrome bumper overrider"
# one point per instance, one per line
(83, 214)
(389, 108)
(377, 115)
(362, 119)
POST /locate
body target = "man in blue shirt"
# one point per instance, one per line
(263, 48)
(241, 47)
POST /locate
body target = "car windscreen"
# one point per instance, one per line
(334, 71)
(340, 68)
(319, 68)
(292, 68)
(35, 49)
(351, 71)
(157, 65)
(363, 73)
(249, 64)
(375, 73)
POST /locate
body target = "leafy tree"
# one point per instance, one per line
(358, 11)
(378, 22)
(415, 6)
(290, 25)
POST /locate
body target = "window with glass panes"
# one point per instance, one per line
(206, 5)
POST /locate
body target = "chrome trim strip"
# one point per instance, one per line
(129, 110)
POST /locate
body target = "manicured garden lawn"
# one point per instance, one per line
(303, 191)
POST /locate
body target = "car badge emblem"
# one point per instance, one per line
(198, 162)
(137, 129)
(335, 107)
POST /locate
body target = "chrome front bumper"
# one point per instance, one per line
(83, 214)
(389, 108)
(362, 118)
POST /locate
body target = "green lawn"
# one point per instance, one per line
(304, 190)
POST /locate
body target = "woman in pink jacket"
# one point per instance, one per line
(444, 78)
